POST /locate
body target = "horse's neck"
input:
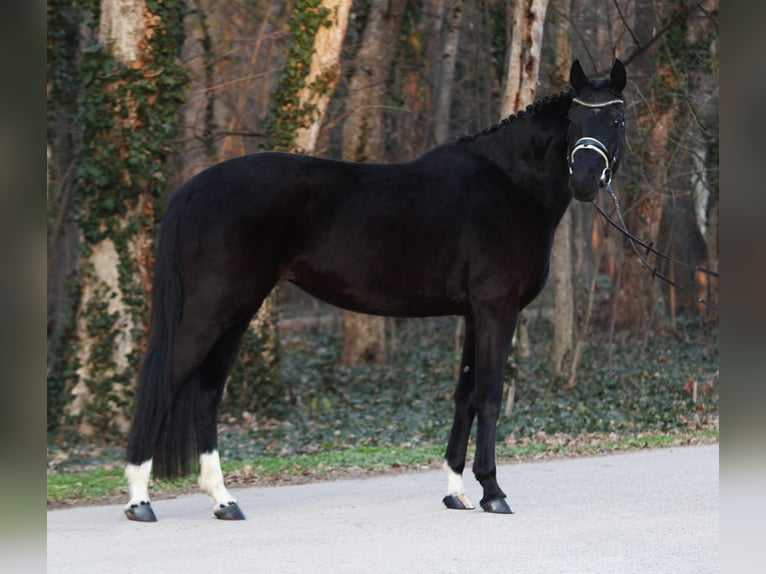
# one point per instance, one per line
(532, 151)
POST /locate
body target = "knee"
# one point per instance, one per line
(489, 409)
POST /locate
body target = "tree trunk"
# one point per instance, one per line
(711, 236)
(451, 13)
(126, 108)
(364, 128)
(635, 293)
(561, 255)
(324, 71)
(364, 140)
(704, 33)
(448, 18)
(523, 66)
(561, 275)
(63, 27)
(311, 70)
(522, 70)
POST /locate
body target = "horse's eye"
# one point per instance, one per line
(616, 123)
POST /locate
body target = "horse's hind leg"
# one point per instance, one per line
(454, 460)
(139, 507)
(193, 342)
(213, 373)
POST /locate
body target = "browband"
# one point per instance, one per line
(597, 105)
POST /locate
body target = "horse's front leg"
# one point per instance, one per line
(494, 330)
(454, 460)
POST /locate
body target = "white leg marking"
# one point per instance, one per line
(455, 485)
(138, 482)
(211, 479)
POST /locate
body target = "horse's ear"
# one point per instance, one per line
(577, 77)
(617, 76)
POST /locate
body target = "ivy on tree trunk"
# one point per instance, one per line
(132, 88)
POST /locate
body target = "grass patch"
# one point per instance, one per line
(92, 485)
(101, 485)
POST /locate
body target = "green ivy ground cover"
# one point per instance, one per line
(341, 417)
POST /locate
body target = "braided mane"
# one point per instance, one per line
(536, 107)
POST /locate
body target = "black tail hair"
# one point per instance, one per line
(163, 421)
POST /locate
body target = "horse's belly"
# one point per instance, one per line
(388, 290)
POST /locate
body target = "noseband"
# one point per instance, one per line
(593, 144)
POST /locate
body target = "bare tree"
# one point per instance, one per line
(364, 139)
(450, 12)
(522, 71)
(561, 258)
(523, 65)
(324, 71)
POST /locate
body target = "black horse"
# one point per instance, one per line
(465, 229)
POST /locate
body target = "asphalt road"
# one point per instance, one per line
(651, 511)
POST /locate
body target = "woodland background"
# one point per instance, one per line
(142, 94)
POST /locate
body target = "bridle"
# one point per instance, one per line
(593, 144)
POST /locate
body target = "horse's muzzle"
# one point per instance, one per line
(585, 186)
(589, 168)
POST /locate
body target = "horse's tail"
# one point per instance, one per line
(163, 421)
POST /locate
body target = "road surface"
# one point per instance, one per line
(650, 511)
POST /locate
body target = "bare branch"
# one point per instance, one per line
(625, 23)
(684, 11)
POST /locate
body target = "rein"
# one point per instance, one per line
(649, 248)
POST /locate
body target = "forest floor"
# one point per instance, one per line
(632, 392)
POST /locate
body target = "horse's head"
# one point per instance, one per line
(596, 130)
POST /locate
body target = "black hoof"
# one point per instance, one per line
(141, 512)
(497, 506)
(229, 512)
(457, 502)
